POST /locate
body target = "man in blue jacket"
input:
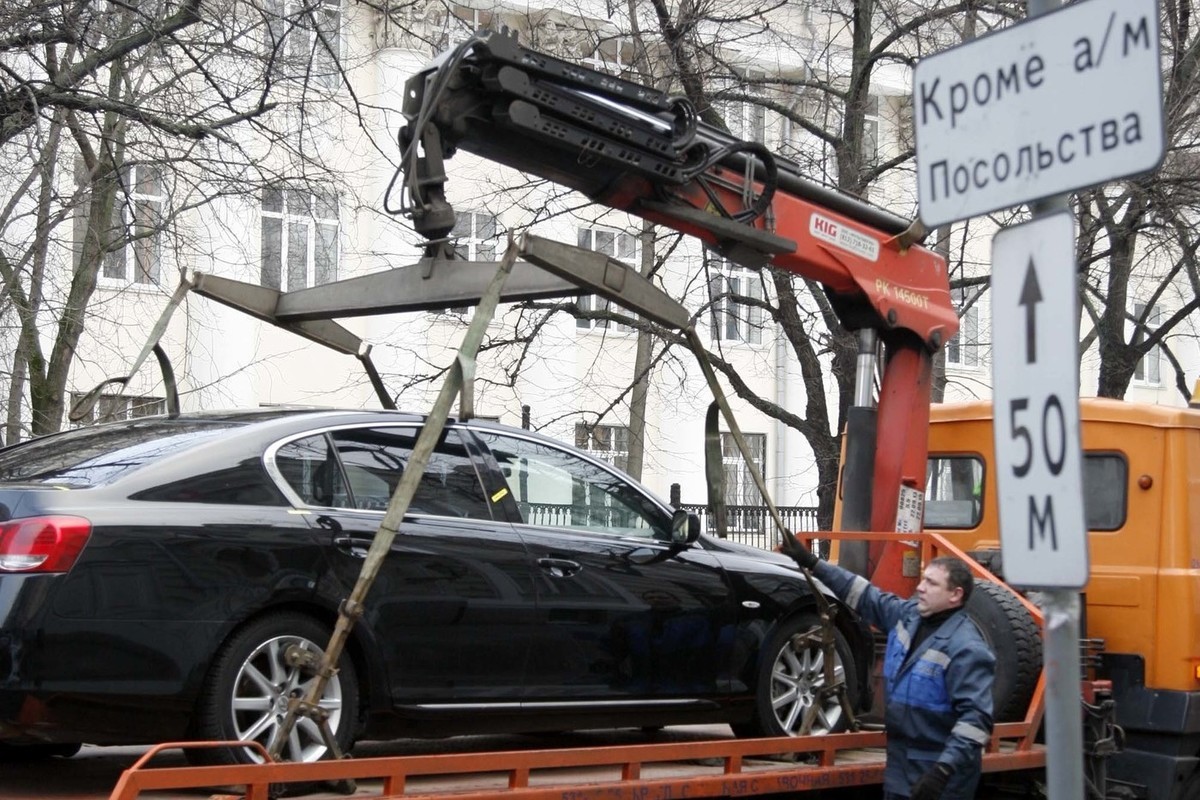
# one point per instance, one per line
(938, 675)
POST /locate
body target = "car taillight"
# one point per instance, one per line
(42, 544)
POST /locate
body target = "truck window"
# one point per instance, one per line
(1105, 490)
(954, 491)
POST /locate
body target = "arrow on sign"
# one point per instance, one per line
(1031, 295)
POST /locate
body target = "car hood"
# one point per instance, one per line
(757, 554)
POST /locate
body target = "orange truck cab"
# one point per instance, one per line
(1142, 600)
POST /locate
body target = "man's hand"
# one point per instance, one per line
(804, 556)
(931, 785)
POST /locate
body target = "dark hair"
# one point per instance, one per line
(958, 574)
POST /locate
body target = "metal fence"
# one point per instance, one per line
(753, 525)
(750, 525)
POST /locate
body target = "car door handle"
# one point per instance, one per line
(559, 567)
(353, 546)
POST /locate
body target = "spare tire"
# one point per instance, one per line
(1013, 635)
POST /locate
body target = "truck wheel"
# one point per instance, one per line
(1014, 637)
(789, 682)
(250, 684)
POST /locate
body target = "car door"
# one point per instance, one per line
(452, 607)
(622, 612)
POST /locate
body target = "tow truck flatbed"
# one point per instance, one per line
(718, 768)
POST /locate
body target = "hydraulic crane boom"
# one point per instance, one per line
(633, 148)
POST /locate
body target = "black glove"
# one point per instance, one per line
(802, 555)
(931, 785)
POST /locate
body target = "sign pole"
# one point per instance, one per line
(1060, 608)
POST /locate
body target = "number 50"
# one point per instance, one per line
(1054, 442)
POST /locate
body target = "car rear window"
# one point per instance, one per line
(92, 456)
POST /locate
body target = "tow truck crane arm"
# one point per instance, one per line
(635, 149)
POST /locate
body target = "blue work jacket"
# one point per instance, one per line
(939, 698)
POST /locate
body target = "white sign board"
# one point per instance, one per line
(1065, 100)
(1035, 378)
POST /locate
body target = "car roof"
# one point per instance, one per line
(102, 454)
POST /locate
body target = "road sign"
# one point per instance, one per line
(1065, 100)
(1035, 377)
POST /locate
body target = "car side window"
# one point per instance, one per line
(552, 486)
(311, 468)
(360, 468)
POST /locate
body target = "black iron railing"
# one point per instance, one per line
(750, 525)
(753, 525)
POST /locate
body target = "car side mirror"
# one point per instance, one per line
(685, 527)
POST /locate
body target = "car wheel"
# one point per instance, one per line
(791, 679)
(249, 687)
(20, 753)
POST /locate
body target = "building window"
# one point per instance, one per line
(963, 349)
(798, 144)
(615, 244)
(729, 287)
(475, 236)
(1148, 368)
(739, 484)
(462, 23)
(870, 135)
(299, 239)
(612, 54)
(608, 442)
(136, 226)
(115, 407)
(304, 40)
(746, 120)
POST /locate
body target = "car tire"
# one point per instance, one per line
(788, 682)
(249, 684)
(1013, 635)
(22, 753)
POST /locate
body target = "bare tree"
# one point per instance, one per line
(121, 120)
(1137, 238)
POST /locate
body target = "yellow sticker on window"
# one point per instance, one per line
(498, 496)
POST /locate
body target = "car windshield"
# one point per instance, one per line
(92, 456)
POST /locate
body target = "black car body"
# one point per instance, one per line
(152, 572)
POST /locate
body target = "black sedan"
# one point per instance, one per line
(155, 572)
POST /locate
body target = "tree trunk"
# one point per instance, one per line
(47, 388)
(641, 371)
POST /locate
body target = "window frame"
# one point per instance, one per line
(1148, 370)
(329, 436)
(740, 489)
(315, 228)
(725, 282)
(625, 247)
(131, 407)
(604, 441)
(962, 350)
(138, 216)
(657, 521)
(978, 490)
(282, 32)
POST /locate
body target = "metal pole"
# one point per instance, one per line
(1064, 727)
